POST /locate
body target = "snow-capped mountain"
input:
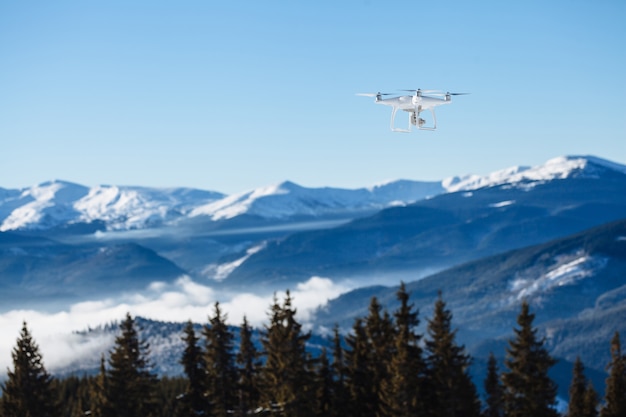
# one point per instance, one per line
(288, 200)
(60, 203)
(556, 168)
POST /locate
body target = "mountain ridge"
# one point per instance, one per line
(61, 203)
(449, 228)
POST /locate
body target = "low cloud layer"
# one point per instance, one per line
(180, 301)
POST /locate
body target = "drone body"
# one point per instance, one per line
(414, 105)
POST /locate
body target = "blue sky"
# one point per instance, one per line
(229, 96)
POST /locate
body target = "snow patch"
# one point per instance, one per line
(222, 271)
(567, 270)
(502, 204)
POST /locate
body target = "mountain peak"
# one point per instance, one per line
(596, 161)
(556, 168)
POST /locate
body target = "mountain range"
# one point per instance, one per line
(554, 234)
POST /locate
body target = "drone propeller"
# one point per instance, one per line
(423, 91)
(457, 94)
(374, 94)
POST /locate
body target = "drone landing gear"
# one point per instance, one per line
(393, 118)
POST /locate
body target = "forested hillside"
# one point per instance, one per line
(383, 367)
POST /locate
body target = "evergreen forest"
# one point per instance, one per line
(382, 368)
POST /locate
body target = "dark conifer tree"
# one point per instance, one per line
(324, 383)
(591, 401)
(28, 390)
(402, 392)
(130, 384)
(340, 393)
(221, 371)
(248, 364)
(288, 380)
(493, 390)
(363, 400)
(528, 390)
(97, 391)
(381, 336)
(73, 396)
(451, 390)
(615, 394)
(578, 396)
(193, 401)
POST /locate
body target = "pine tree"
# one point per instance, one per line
(528, 390)
(130, 386)
(220, 365)
(97, 391)
(28, 390)
(73, 396)
(193, 402)
(287, 375)
(591, 401)
(381, 336)
(363, 401)
(340, 397)
(402, 392)
(324, 401)
(577, 391)
(248, 361)
(615, 394)
(452, 390)
(493, 390)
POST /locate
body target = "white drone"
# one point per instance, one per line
(414, 105)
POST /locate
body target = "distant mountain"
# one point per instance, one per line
(72, 207)
(69, 207)
(58, 235)
(62, 205)
(291, 200)
(503, 211)
(575, 286)
(40, 272)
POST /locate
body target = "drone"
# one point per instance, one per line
(414, 104)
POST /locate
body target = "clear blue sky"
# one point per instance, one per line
(230, 96)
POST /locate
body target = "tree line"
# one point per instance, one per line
(381, 368)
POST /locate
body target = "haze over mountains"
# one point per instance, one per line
(554, 234)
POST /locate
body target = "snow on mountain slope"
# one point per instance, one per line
(136, 207)
(289, 199)
(556, 168)
(567, 269)
(42, 206)
(58, 203)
